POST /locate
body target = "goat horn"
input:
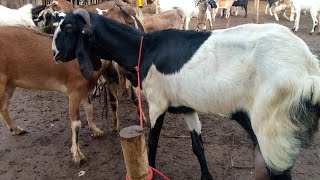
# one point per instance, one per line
(84, 14)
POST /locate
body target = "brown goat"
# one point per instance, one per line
(42, 73)
(125, 15)
(112, 10)
(223, 4)
(171, 19)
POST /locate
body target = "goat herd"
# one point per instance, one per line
(231, 72)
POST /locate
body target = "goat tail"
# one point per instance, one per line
(305, 113)
(291, 124)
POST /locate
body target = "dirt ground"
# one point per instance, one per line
(44, 152)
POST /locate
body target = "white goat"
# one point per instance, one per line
(312, 5)
(188, 7)
(13, 17)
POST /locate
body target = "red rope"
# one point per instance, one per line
(161, 174)
(139, 88)
(150, 176)
(137, 68)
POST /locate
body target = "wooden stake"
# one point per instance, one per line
(257, 9)
(135, 152)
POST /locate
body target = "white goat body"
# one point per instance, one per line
(239, 72)
(312, 5)
(13, 17)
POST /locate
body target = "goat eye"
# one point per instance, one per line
(68, 28)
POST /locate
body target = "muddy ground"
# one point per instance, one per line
(44, 152)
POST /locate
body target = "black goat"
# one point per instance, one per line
(243, 4)
(239, 3)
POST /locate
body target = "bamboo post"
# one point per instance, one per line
(135, 152)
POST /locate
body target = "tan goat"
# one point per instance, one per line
(283, 6)
(223, 4)
(111, 10)
(171, 19)
(42, 73)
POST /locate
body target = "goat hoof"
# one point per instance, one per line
(116, 130)
(79, 158)
(19, 131)
(97, 133)
(81, 162)
(206, 176)
(310, 33)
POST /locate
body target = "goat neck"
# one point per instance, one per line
(114, 40)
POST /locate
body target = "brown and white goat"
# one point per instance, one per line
(223, 4)
(114, 79)
(205, 15)
(283, 6)
(43, 73)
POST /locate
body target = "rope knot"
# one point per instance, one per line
(137, 68)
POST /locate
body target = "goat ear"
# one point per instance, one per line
(83, 57)
(86, 31)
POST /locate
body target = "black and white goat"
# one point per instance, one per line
(232, 72)
(269, 6)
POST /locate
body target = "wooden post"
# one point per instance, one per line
(258, 12)
(135, 152)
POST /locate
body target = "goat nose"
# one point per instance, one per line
(54, 53)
